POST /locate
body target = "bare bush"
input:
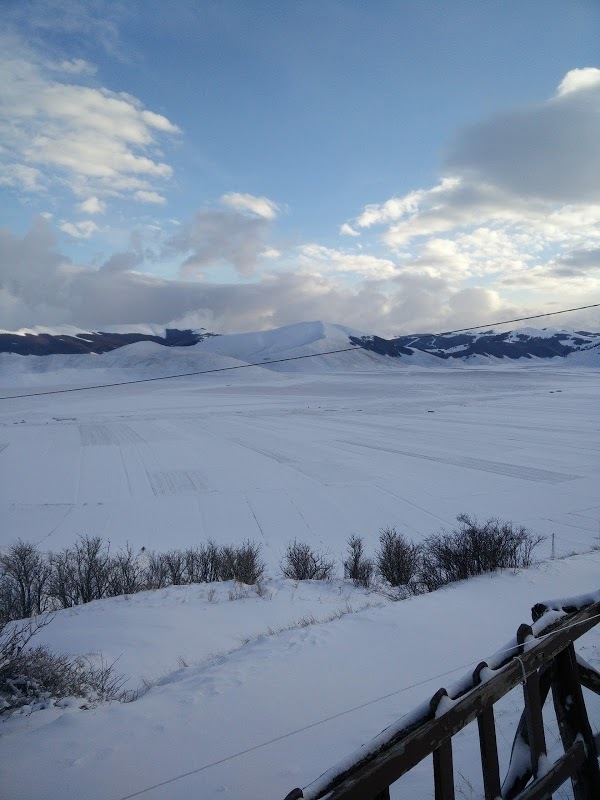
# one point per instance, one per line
(248, 567)
(125, 573)
(397, 559)
(475, 548)
(25, 577)
(301, 563)
(156, 573)
(175, 562)
(82, 573)
(357, 566)
(31, 675)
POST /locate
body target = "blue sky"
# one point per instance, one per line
(394, 166)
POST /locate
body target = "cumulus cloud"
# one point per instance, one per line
(548, 151)
(261, 206)
(96, 141)
(348, 230)
(38, 285)
(214, 237)
(328, 260)
(517, 205)
(92, 206)
(144, 196)
(21, 176)
(79, 230)
(577, 79)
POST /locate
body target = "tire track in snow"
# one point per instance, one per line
(478, 464)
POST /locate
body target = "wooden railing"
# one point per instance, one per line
(542, 658)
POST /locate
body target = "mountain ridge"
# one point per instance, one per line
(309, 338)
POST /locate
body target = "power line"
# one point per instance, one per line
(294, 732)
(179, 375)
(277, 360)
(275, 739)
(518, 319)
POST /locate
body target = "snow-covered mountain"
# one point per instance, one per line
(580, 348)
(481, 347)
(68, 339)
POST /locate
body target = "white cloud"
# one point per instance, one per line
(520, 194)
(576, 79)
(40, 286)
(326, 260)
(144, 196)
(271, 252)
(92, 206)
(79, 230)
(548, 152)
(217, 237)
(73, 66)
(28, 179)
(261, 206)
(348, 230)
(96, 141)
(397, 207)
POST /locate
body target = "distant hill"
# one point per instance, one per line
(522, 343)
(576, 347)
(45, 344)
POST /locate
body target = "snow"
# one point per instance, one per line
(274, 456)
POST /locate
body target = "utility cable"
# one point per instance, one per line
(179, 375)
(277, 360)
(506, 321)
(287, 735)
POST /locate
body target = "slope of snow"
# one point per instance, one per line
(304, 338)
(138, 360)
(274, 684)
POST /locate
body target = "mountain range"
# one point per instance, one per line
(313, 337)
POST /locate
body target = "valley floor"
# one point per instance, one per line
(275, 458)
(316, 458)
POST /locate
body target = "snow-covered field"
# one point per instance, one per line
(274, 456)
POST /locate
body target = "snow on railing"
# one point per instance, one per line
(541, 656)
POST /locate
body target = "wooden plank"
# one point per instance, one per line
(544, 787)
(573, 723)
(443, 771)
(588, 676)
(511, 789)
(489, 754)
(535, 722)
(488, 745)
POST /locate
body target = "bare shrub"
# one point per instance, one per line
(475, 548)
(248, 567)
(9, 601)
(156, 572)
(80, 574)
(397, 559)
(201, 563)
(25, 576)
(36, 675)
(301, 563)
(357, 566)
(175, 563)
(226, 563)
(62, 587)
(125, 573)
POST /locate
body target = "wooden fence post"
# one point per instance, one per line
(573, 723)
